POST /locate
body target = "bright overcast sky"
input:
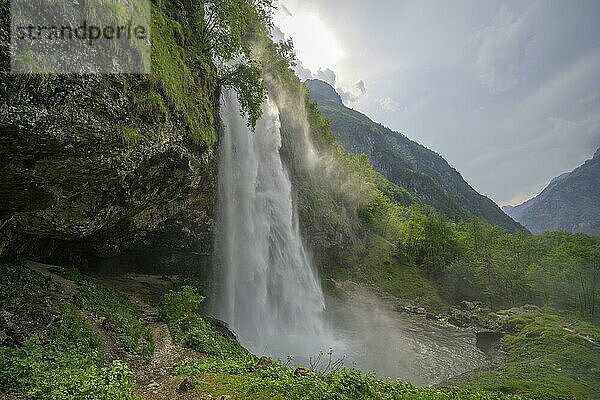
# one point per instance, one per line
(507, 91)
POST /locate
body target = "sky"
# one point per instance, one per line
(508, 92)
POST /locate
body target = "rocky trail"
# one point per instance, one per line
(154, 381)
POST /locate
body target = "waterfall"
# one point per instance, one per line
(269, 292)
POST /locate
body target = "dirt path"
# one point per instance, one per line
(155, 381)
(67, 289)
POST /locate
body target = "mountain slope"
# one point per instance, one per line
(570, 202)
(422, 172)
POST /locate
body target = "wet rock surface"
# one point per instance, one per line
(19, 324)
(74, 190)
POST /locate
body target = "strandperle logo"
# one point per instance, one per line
(80, 37)
(84, 31)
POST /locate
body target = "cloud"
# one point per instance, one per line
(504, 48)
(587, 102)
(352, 94)
(326, 75)
(285, 10)
(302, 72)
(507, 91)
(349, 94)
(388, 104)
(520, 198)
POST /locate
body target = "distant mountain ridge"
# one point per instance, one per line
(422, 172)
(570, 202)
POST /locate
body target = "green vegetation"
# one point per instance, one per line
(65, 363)
(130, 134)
(363, 227)
(401, 280)
(180, 310)
(510, 269)
(122, 317)
(182, 75)
(276, 381)
(549, 356)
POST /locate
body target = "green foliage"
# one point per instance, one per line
(381, 268)
(182, 75)
(276, 381)
(130, 134)
(150, 106)
(225, 36)
(178, 307)
(236, 365)
(122, 316)
(549, 357)
(285, 50)
(508, 269)
(67, 364)
(246, 79)
(180, 310)
(74, 329)
(205, 338)
(429, 241)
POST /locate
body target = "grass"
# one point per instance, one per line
(122, 316)
(180, 310)
(66, 364)
(276, 381)
(383, 269)
(183, 88)
(130, 134)
(544, 358)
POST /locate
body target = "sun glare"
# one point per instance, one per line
(315, 43)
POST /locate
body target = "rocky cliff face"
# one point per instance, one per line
(571, 202)
(110, 171)
(70, 178)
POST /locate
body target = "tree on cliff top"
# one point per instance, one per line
(227, 23)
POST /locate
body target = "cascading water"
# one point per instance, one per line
(269, 295)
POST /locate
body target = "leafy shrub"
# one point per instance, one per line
(351, 384)
(205, 338)
(180, 310)
(67, 364)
